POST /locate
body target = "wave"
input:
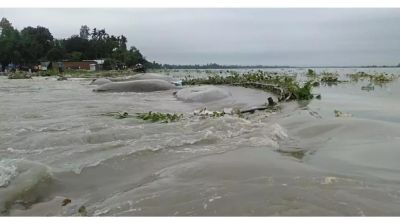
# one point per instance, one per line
(22, 182)
(207, 136)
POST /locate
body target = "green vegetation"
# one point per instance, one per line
(218, 66)
(382, 78)
(359, 76)
(374, 78)
(206, 113)
(34, 44)
(285, 86)
(329, 77)
(87, 73)
(118, 115)
(311, 74)
(82, 211)
(19, 75)
(148, 116)
(97, 74)
(298, 153)
(341, 114)
(159, 117)
(174, 117)
(368, 87)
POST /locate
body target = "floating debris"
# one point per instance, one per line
(329, 180)
(330, 79)
(297, 153)
(19, 75)
(342, 114)
(66, 202)
(159, 117)
(206, 113)
(118, 115)
(82, 210)
(368, 87)
(311, 73)
(62, 78)
(375, 78)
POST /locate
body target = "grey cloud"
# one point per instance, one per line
(237, 36)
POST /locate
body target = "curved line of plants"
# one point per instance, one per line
(284, 86)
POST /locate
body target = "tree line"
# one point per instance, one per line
(34, 44)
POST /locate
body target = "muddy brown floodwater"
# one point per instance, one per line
(302, 160)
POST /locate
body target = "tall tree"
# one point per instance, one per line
(36, 42)
(134, 57)
(55, 54)
(33, 44)
(77, 44)
(9, 43)
(84, 32)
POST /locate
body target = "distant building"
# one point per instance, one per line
(92, 65)
(45, 65)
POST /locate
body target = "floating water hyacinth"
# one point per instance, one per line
(159, 117)
(285, 86)
(376, 78)
(342, 114)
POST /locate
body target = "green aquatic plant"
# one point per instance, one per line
(148, 116)
(311, 73)
(329, 78)
(304, 92)
(164, 117)
(315, 83)
(285, 86)
(342, 114)
(217, 114)
(298, 153)
(82, 211)
(159, 117)
(118, 115)
(358, 76)
(368, 87)
(376, 78)
(382, 78)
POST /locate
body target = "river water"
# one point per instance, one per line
(301, 160)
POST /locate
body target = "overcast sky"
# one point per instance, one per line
(237, 36)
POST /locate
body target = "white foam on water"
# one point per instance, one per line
(8, 171)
